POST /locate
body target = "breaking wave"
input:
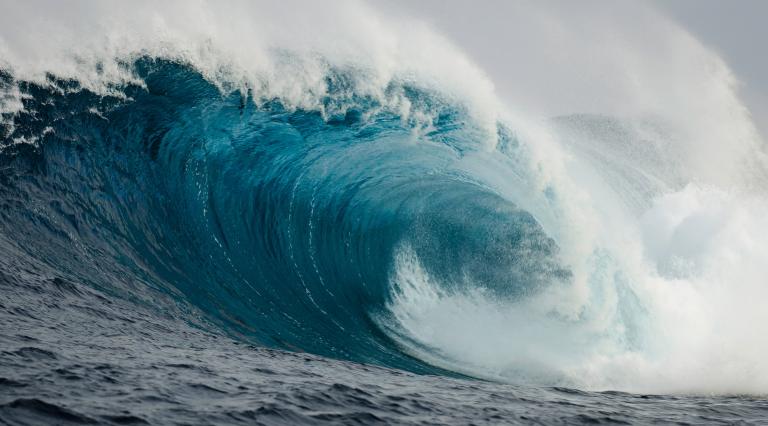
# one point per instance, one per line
(367, 204)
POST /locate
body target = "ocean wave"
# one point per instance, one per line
(362, 203)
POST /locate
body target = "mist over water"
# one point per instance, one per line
(587, 211)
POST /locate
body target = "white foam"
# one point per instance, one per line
(281, 50)
(701, 317)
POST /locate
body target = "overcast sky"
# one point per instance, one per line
(735, 29)
(738, 31)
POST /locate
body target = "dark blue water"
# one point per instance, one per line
(176, 253)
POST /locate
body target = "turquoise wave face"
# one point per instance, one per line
(280, 226)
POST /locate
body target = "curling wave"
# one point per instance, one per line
(280, 225)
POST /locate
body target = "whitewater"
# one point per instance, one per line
(252, 212)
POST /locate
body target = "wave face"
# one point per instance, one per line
(280, 225)
(364, 203)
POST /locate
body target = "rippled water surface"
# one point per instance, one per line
(72, 356)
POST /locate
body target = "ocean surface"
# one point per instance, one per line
(74, 355)
(194, 232)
